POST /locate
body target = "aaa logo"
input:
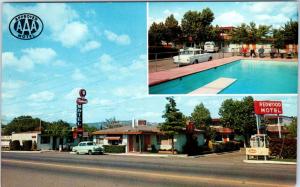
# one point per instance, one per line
(26, 26)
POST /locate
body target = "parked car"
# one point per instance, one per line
(211, 47)
(191, 56)
(87, 147)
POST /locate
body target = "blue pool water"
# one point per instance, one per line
(253, 77)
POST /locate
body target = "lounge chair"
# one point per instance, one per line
(290, 55)
(261, 52)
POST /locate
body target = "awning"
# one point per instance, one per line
(113, 138)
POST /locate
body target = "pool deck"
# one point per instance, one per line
(171, 74)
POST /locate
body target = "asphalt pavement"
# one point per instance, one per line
(56, 169)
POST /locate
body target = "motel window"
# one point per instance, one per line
(114, 142)
(45, 139)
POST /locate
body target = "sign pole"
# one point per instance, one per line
(279, 126)
(257, 123)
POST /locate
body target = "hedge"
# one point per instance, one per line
(225, 146)
(114, 148)
(161, 52)
(15, 145)
(27, 145)
(283, 148)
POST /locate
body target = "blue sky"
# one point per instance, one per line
(101, 47)
(229, 13)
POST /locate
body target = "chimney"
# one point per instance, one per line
(133, 123)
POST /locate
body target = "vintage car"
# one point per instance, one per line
(210, 47)
(191, 56)
(87, 147)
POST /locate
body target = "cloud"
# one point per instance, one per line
(40, 55)
(229, 19)
(101, 102)
(275, 20)
(261, 7)
(73, 94)
(118, 71)
(91, 45)
(12, 84)
(72, 34)
(122, 39)
(133, 92)
(59, 63)
(42, 96)
(150, 115)
(77, 75)
(29, 57)
(169, 12)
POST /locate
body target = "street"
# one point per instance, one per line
(55, 169)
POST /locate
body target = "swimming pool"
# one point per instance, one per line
(252, 77)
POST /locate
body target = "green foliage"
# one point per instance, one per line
(58, 128)
(156, 33)
(191, 147)
(34, 146)
(174, 120)
(114, 148)
(197, 24)
(250, 33)
(225, 146)
(112, 123)
(239, 115)
(201, 116)
(15, 145)
(212, 134)
(158, 52)
(172, 29)
(291, 32)
(23, 124)
(27, 145)
(89, 129)
(283, 147)
(293, 127)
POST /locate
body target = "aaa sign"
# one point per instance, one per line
(268, 107)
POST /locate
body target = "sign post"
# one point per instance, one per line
(80, 101)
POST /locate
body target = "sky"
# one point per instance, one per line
(97, 46)
(229, 13)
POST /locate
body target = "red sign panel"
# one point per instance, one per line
(268, 107)
(81, 101)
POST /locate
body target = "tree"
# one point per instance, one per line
(197, 24)
(58, 129)
(156, 33)
(174, 120)
(89, 129)
(239, 115)
(278, 36)
(201, 116)
(23, 124)
(293, 127)
(112, 123)
(172, 29)
(291, 32)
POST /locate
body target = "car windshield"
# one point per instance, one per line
(208, 43)
(186, 53)
(82, 144)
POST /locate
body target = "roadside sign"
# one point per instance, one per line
(81, 101)
(257, 151)
(82, 92)
(85, 134)
(267, 107)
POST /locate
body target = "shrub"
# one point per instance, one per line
(34, 146)
(114, 148)
(15, 145)
(225, 146)
(162, 52)
(153, 149)
(283, 148)
(27, 144)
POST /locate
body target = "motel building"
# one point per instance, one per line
(139, 137)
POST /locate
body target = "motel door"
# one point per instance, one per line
(130, 148)
(147, 142)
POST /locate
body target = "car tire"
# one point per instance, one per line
(196, 62)
(210, 58)
(90, 152)
(77, 153)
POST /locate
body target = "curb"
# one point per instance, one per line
(148, 155)
(21, 151)
(268, 162)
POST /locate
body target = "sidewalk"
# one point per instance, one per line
(268, 162)
(149, 155)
